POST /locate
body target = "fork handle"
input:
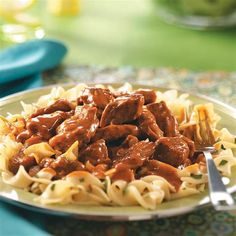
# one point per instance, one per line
(220, 198)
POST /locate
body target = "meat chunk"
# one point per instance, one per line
(43, 126)
(96, 153)
(148, 94)
(34, 170)
(115, 132)
(133, 158)
(173, 150)
(189, 132)
(34, 139)
(116, 151)
(46, 162)
(20, 159)
(129, 141)
(123, 173)
(164, 118)
(98, 170)
(58, 105)
(97, 97)
(191, 145)
(168, 172)
(82, 127)
(148, 126)
(62, 166)
(122, 110)
(136, 154)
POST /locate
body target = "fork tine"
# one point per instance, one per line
(203, 135)
(204, 140)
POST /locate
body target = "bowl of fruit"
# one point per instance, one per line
(198, 13)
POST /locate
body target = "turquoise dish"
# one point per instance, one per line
(30, 58)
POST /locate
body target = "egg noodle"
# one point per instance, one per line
(82, 187)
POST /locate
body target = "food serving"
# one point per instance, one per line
(106, 146)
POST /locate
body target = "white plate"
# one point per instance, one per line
(171, 208)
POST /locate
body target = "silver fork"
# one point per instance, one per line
(204, 140)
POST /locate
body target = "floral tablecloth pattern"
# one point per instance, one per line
(217, 84)
(200, 223)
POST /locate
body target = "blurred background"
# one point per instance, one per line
(199, 35)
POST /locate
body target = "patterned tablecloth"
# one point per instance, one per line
(219, 85)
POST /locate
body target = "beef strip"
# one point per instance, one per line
(82, 126)
(58, 105)
(173, 150)
(164, 118)
(123, 173)
(98, 170)
(148, 126)
(191, 145)
(34, 170)
(46, 162)
(122, 110)
(133, 158)
(61, 165)
(115, 132)
(96, 153)
(20, 159)
(129, 141)
(189, 132)
(115, 151)
(154, 167)
(34, 139)
(148, 94)
(136, 154)
(98, 97)
(42, 127)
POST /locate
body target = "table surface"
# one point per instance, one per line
(121, 32)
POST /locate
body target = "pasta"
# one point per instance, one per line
(71, 147)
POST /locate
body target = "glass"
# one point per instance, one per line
(64, 7)
(198, 13)
(16, 25)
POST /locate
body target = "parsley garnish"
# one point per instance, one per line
(81, 180)
(125, 191)
(90, 189)
(223, 147)
(223, 162)
(196, 176)
(105, 185)
(53, 187)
